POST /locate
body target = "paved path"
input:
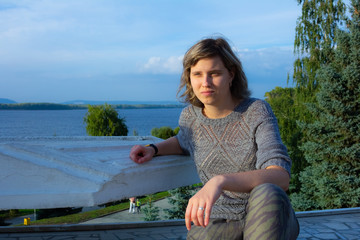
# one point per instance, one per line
(339, 226)
(125, 216)
(332, 224)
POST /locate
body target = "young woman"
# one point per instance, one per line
(235, 143)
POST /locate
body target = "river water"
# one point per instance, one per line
(29, 123)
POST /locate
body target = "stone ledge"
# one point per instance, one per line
(151, 224)
(92, 227)
(327, 212)
(56, 172)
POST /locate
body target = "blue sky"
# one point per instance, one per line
(110, 50)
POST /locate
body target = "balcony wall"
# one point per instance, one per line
(54, 172)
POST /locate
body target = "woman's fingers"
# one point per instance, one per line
(200, 215)
(140, 154)
(135, 153)
(207, 215)
(199, 207)
(188, 216)
(195, 213)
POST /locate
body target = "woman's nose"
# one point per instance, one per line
(206, 81)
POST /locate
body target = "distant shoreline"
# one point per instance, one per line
(56, 106)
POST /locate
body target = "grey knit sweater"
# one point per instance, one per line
(247, 139)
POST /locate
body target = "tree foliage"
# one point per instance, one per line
(151, 212)
(164, 132)
(315, 30)
(56, 212)
(313, 46)
(103, 120)
(333, 147)
(179, 200)
(286, 109)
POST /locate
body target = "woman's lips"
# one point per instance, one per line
(207, 92)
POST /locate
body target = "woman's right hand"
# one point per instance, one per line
(141, 154)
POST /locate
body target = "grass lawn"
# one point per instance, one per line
(85, 216)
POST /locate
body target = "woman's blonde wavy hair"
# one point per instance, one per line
(208, 48)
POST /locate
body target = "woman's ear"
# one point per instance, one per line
(232, 75)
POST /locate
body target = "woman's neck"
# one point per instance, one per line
(214, 112)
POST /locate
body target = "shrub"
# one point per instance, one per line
(103, 120)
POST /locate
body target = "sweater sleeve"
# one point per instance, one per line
(184, 134)
(270, 149)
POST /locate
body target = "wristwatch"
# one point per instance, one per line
(154, 147)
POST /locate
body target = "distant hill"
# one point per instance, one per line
(6, 100)
(56, 106)
(7, 104)
(86, 102)
(39, 106)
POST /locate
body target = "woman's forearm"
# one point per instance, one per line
(141, 154)
(246, 181)
(170, 146)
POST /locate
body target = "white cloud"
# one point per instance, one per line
(168, 65)
(267, 68)
(267, 60)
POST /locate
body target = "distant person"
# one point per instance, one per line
(235, 143)
(132, 205)
(138, 205)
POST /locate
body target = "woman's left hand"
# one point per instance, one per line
(199, 207)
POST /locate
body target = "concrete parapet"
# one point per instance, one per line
(55, 172)
(327, 212)
(323, 214)
(92, 227)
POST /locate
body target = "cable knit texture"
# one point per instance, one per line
(247, 139)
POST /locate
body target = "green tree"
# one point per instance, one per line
(176, 130)
(151, 212)
(313, 45)
(135, 133)
(163, 132)
(179, 200)
(333, 147)
(103, 120)
(2, 218)
(282, 101)
(315, 30)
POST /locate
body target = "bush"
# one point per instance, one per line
(103, 120)
(56, 212)
(151, 212)
(179, 200)
(164, 132)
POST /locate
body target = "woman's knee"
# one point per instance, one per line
(267, 191)
(269, 211)
(268, 198)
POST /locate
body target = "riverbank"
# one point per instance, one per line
(56, 106)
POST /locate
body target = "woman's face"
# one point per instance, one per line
(210, 81)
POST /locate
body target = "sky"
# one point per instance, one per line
(117, 50)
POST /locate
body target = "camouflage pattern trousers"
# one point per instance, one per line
(269, 215)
